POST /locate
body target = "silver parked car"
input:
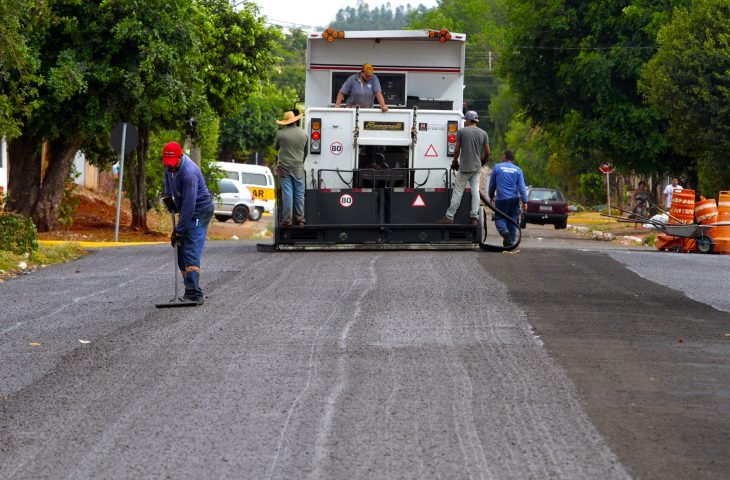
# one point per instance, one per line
(236, 202)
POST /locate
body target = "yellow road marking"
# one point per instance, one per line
(98, 244)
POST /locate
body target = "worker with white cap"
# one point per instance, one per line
(472, 148)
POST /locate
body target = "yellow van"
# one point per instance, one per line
(257, 178)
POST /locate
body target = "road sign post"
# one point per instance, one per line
(607, 168)
(124, 139)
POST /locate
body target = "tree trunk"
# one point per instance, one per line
(138, 182)
(45, 213)
(24, 182)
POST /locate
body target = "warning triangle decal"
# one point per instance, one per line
(418, 202)
(431, 152)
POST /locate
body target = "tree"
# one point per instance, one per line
(574, 66)
(203, 58)
(379, 18)
(253, 128)
(19, 19)
(155, 64)
(62, 114)
(688, 81)
(484, 21)
(290, 72)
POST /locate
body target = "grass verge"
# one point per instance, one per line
(12, 263)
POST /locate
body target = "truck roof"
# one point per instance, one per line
(416, 64)
(386, 34)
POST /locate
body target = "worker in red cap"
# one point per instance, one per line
(185, 183)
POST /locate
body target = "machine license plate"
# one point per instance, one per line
(546, 208)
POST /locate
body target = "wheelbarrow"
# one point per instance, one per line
(694, 231)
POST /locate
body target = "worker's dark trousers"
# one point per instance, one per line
(510, 206)
(190, 251)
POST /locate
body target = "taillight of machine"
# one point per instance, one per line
(315, 140)
(451, 128)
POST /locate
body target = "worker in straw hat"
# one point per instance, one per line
(291, 142)
(362, 89)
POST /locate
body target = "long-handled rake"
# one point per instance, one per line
(176, 301)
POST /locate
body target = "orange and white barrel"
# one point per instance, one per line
(706, 211)
(723, 216)
(723, 207)
(683, 207)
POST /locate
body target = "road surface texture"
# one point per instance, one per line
(549, 363)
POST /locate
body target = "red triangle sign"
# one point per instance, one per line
(418, 202)
(431, 152)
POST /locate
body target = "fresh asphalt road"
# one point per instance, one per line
(569, 359)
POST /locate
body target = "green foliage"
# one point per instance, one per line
(17, 233)
(687, 81)
(531, 152)
(713, 177)
(289, 74)
(254, 127)
(19, 21)
(236, 53)
(592, 188)
(501, 112)
(574, 66)
(484, 23)
(45, 255)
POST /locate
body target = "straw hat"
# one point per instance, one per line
(289, 117)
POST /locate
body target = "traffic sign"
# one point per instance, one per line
(606, 168)
(124, 140)
(130, 139)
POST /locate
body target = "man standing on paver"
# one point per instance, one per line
(471, 143)
(509, 183)
(185, 183)
(291, 142)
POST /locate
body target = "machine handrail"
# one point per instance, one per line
(390, 175)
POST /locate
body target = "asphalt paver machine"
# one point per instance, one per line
(380, 180)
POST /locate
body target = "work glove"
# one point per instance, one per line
(174, 238)
(454, 165)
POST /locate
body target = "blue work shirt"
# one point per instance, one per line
(189, 191)
(359, 92)
(508, 181)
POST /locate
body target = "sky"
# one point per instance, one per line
(319, 13)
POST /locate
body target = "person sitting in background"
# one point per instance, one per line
(640, 201)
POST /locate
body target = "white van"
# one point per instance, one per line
(257, 178)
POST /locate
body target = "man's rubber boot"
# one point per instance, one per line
(505, 241)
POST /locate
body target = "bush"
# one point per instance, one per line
(17, 233)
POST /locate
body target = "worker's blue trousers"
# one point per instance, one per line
(190, 251)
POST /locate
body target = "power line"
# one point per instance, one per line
(612, 47)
